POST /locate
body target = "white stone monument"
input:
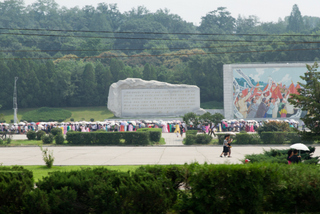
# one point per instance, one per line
(135, 97)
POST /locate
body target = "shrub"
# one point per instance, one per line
(40, 134)
(47, 157)
(273, 137)
(92, 119)
(274, 126)
(47, 139)
(155, 133)
(245, 138)
(71, 119)
(1, 141)
(14, 183)
(31, 135)
(46, 114)
(108, 138)
(59, 139)
(56, 131)
(100, 190)
(203, 139)
(197, 139)
(191, 132)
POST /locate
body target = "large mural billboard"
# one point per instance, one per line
(264, 92)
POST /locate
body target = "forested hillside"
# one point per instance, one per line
(69, 56)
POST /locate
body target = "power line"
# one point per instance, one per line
(160, 55)
(139, 49)
(163, 33)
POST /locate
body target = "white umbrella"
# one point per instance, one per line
(299, 146)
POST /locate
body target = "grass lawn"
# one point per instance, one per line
(41, 171)
(98, 113)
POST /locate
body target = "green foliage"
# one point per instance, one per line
(101, 190)
(155, 133)
(1, 141)
(108, 138)
(59, 138)
(212, 105)
(56, 131)
(273, 137)
(197, 139)
(46, 114)
(8, 141)
(191, 132)
(31, 135)
(15, 182)
(274, 126)
(47, 139)
(40, 134)
(92, 119)
(309, 100)
(280, 156)
(47, 156)
(245, 138)
(71, 119)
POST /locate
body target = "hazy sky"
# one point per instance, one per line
(193, 10)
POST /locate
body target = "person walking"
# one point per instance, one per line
(181, 130)
(225, 150)
(177, 129)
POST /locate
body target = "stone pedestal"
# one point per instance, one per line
(135, 97)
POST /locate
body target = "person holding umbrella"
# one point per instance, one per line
(295, 158)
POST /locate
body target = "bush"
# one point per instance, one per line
(40, 134)
(1, 141)
(56, 131)
(59, 139)
(14, 183)
(71, 119)
(245, 138)
(274, 126)
(100, 190)
(92, 119)
(108, 138)
(197, 139)
(190, 140)
(31, 135)
(203, 139)
(46, 114)
(191, 132)
(155, 133)
(273, 137)
(47, 139)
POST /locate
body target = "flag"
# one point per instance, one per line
(292, 89)
(245, 92)
(297, 87)
(276, 93)
(256, 89)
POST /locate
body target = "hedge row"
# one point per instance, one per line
(109, 138)
(265, 138)
(14, 183)
(155, 133)
(197, 139)
(249, 188)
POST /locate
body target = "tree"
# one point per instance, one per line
(295, 20)
(309, 100)
(217, 21)
(88, 85)
(149, 72)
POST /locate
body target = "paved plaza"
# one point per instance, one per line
(172, 153)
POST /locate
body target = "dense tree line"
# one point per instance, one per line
(75, 64)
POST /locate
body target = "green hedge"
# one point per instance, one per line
(194, 188)
(108, 138)
(197, 139)
(155, 133)
(245, 138)
(46, 114)
(103, 191)
(191, 132)
(15, 182)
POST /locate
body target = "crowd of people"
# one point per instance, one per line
(175, 126)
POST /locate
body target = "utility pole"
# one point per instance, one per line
(15, 104)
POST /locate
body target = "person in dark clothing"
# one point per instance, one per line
(295, 158)
(290, 153)
(262, 109)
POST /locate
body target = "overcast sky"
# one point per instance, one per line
(193, 10)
